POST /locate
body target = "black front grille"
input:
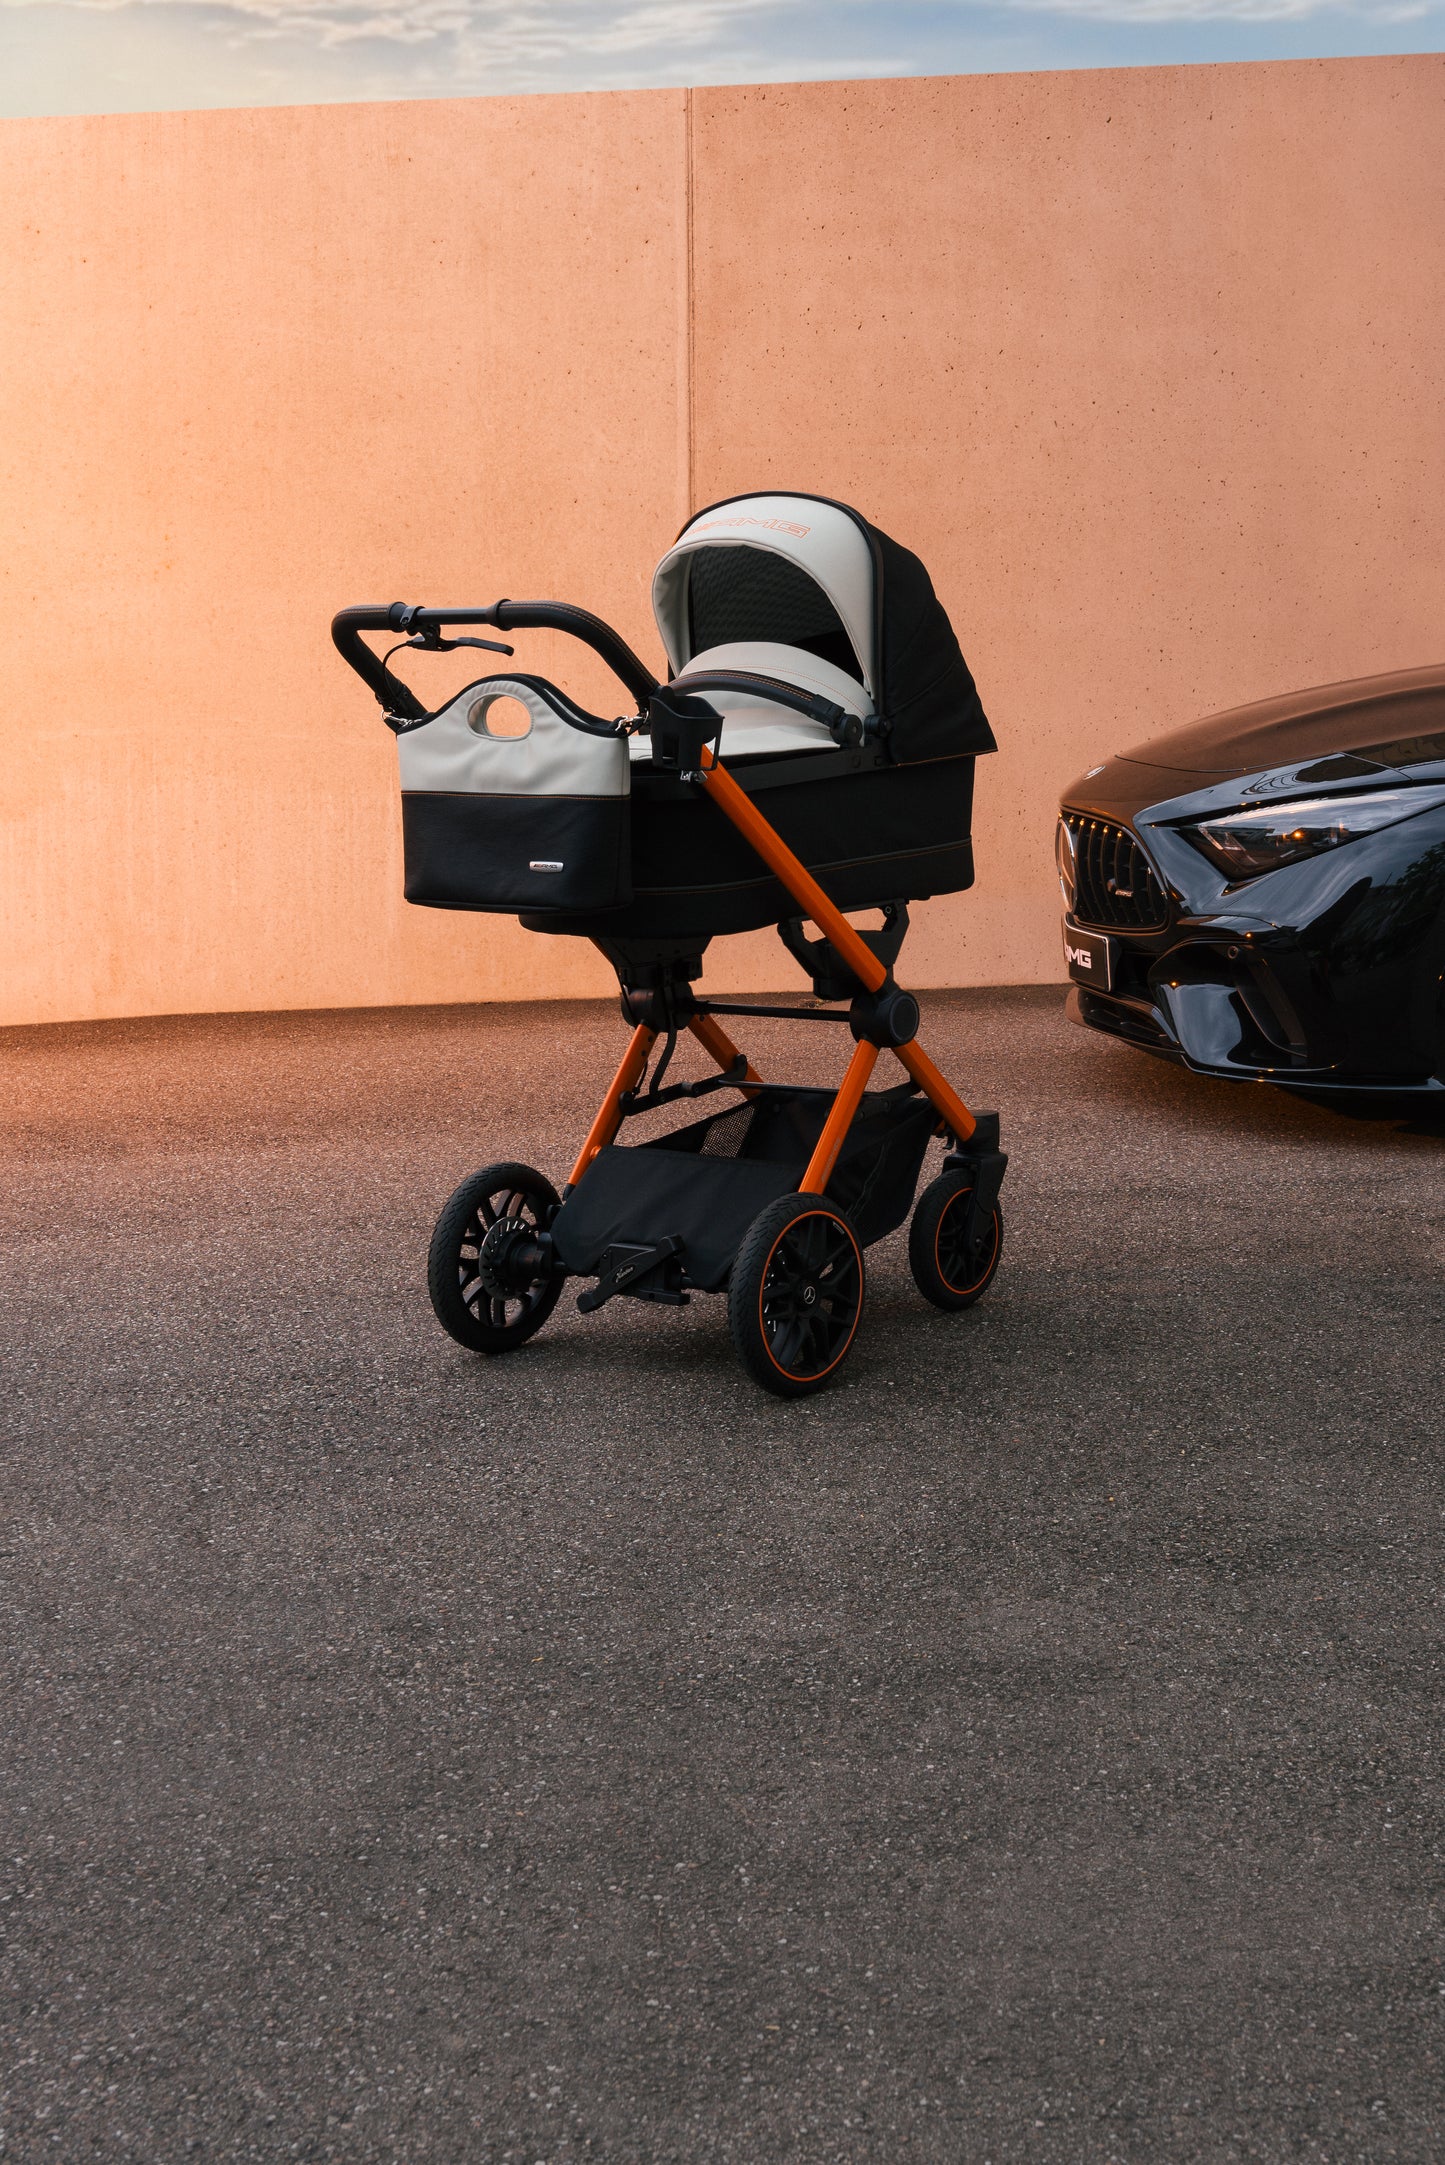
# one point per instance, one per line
(1114, 882)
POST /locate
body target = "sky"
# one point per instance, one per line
(87, 56)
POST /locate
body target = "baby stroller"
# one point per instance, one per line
(811, 752)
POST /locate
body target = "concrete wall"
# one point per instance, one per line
(1144, 364)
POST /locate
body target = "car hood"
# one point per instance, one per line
(1374, 725)
(1386, 721)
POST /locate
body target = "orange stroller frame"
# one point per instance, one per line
(775, 1199)
(890, 1021)
(958, 1235)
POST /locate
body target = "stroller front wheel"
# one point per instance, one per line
(491, 1278)
(947, 1269)
(795, 1295)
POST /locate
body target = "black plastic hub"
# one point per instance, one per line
(661, 1007)
(512, 1257)
(887, 1017)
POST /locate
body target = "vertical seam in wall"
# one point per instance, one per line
(688, 385)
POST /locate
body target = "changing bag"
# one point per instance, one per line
(534, 821)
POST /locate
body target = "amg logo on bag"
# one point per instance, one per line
(544, 864)
(1079, 955)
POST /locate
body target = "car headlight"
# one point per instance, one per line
(1259, 839)
(1066, 856)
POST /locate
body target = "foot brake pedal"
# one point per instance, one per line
(624, 1265)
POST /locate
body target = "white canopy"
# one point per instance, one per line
(820, 539)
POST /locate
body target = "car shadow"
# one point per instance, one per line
(1124, 1078)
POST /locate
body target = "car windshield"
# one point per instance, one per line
(1406, 751)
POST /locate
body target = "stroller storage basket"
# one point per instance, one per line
(706, 1182)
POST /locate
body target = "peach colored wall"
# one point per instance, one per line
(1145, 364)
(255, 365)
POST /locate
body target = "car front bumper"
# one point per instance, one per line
(1221, 1001)
(1326, 974)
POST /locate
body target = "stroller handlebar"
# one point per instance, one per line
(425, 625)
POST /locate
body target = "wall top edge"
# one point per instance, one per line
(812, 86)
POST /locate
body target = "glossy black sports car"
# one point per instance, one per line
(1262, 894)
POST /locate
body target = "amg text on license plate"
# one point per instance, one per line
(1090, 958)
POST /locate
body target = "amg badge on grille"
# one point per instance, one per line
(544, 864)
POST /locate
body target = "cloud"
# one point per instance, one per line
(127, 55)
(1220, 11)
(526, 26)
(532, 32)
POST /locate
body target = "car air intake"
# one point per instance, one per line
(1114, 882)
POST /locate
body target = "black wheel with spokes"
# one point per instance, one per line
(949, 1268)
(491, 1273)
(795, 1295)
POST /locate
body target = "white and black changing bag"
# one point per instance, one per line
(529, 821)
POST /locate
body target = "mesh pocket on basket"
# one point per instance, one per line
(726, 1135)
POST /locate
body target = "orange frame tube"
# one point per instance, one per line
(839, 1120)
(945, 1101)
(795, 876)
(737, 806)
(716, 1042)
(609, 1115)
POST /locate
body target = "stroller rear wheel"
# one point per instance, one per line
(947, 1269)
(491, 1277)
(795, 1294)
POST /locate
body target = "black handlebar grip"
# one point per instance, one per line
(346, 629)
(580, 624)
(404, 618)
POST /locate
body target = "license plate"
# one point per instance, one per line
(1090, 958)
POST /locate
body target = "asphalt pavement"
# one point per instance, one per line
(1029, 1749)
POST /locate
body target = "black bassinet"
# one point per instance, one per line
(577, 831)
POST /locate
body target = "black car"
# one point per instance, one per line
(1262, 894)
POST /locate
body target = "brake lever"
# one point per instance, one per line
(435, 644)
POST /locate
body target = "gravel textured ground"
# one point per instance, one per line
(1027, 1750)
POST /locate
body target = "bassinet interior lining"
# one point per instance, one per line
(742, 593)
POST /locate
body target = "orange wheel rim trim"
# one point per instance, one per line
(938, 1259)
(813, 1375)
